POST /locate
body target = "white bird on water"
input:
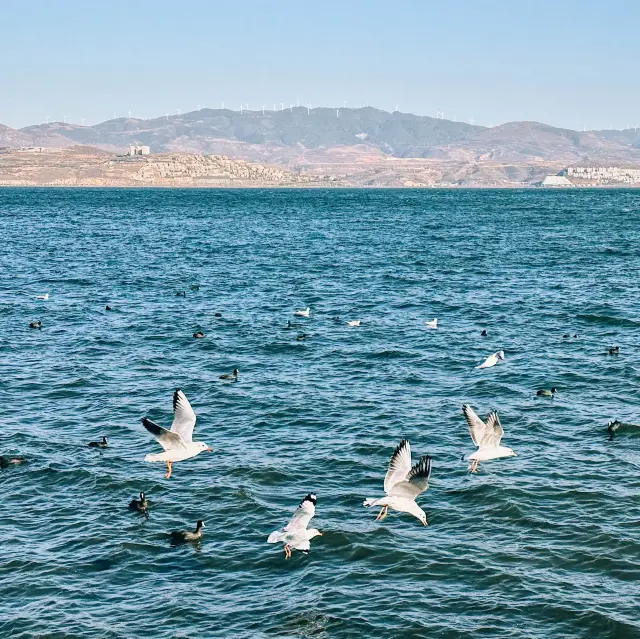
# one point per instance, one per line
(492, 360)
(304, 313)
(44, 297)
(433, 323)
(353, 323)
(177, 442)
(403, 484)
(295, 534)
(486, 436)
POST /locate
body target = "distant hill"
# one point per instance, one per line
(296, 137)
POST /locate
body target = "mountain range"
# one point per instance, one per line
(298, 136)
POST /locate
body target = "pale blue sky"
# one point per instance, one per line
(568, 63)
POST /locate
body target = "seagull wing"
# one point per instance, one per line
(477, 427)
(494, 430)
(399, 466)
(303, 514)
(184, 419)
(167, 439)
(417, 480)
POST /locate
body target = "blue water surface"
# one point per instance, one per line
(542, 545)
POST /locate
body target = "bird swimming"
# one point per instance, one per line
(199, 335)
(181, 536)
(195, 287)
(353, 323)
(233, 377)
(301, 337)
(37, 324)
(177, 442)
(615, 425)
(614, 350)
(432, 324)
(141, 505)
(486, 436)
(547, 393)
(403, 483)
(484, 333)
(11, 460)
(44, 297)
(492, 360)
(181, 294)
(304, 313)
(295, 535)
(107, 308)
(217, 314)
(100, 444)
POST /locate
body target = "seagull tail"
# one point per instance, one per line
(154, 458)
(370, 502)
(275, 537)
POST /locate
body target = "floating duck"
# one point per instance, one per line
(182, 536)
(217, 314)
(37, 324)
(546, 393)
(304, 313)
(181, 294)
(141, 505)
(614, 350)
(615, 425)
(107, 308)
(199, 335)
(233, 377)
(432, 324)
(101, 444)
(301, 337)
(195, 287)
(484, 333)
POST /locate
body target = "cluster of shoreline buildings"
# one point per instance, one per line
(593, 176)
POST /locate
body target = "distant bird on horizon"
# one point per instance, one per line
(492, 360)
(403, 483)
(547, 393)
(304, 313)
(177, 442)
(295, 535)
(233, 377)
(182, 536)
(432, 324)
(141, 505)
(486, 436)
(44, 297)
(100, 444)
(353, 323)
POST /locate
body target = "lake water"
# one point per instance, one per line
(545, 544)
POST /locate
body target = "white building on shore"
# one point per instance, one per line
(604, 175)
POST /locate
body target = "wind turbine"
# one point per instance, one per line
(337, 113)
(274, 106)
(396, 107)
(129, 112)
(82, 121)
(166, 115)
(64, 119)
(222, 105)
(47, 119)
(240, 109)
(178, 110)
(291, 108)
(309, 108)
(281, 106)
(263, 109)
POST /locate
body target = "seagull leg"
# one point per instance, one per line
(168, 470)
(287, 551)
(474, 466)
(383, 513)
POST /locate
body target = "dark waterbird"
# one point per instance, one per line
(181, 294)
(195, 287)
(141, 505)
(217, 314)
(614, 350)
(37, 324)
(547, 393)
(107, 308)
(301, 337)
(233, 377)
(11, 460)
(199, 335)
(566, 335)
(615, 425)
(101, 444)
(182, 536)
(484, 333)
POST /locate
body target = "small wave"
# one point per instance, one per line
(607, 320)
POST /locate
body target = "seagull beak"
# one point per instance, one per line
(319, 533)
(210, 450)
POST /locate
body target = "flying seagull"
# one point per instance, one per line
(492, 360)
(486, 436)
(403, 483)
(295, 534)
(176, 442)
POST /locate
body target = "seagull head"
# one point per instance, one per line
(511, 452)
(202, 446)
(423, 518)
(500, 354)
(314, 532)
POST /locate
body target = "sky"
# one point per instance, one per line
(570, 63)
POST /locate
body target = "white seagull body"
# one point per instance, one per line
(403, 483)
(433, 323)
(353, 323)
(492, 360)
(295, 534)
(177, 442)
(486, 436)
(304, 313)
(44, 297)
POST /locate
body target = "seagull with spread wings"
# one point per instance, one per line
(403, 483)
(177, 442)
(486, 436)
(295, 534)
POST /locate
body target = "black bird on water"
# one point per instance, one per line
(141, 505)
(181, 294)
(615, 425)
(107, 308)
(102, 444)
(181, 536)
(484, 333)
(614, 350)
(233, 377)
(547, 393)
(37, 324)
(199, 335)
